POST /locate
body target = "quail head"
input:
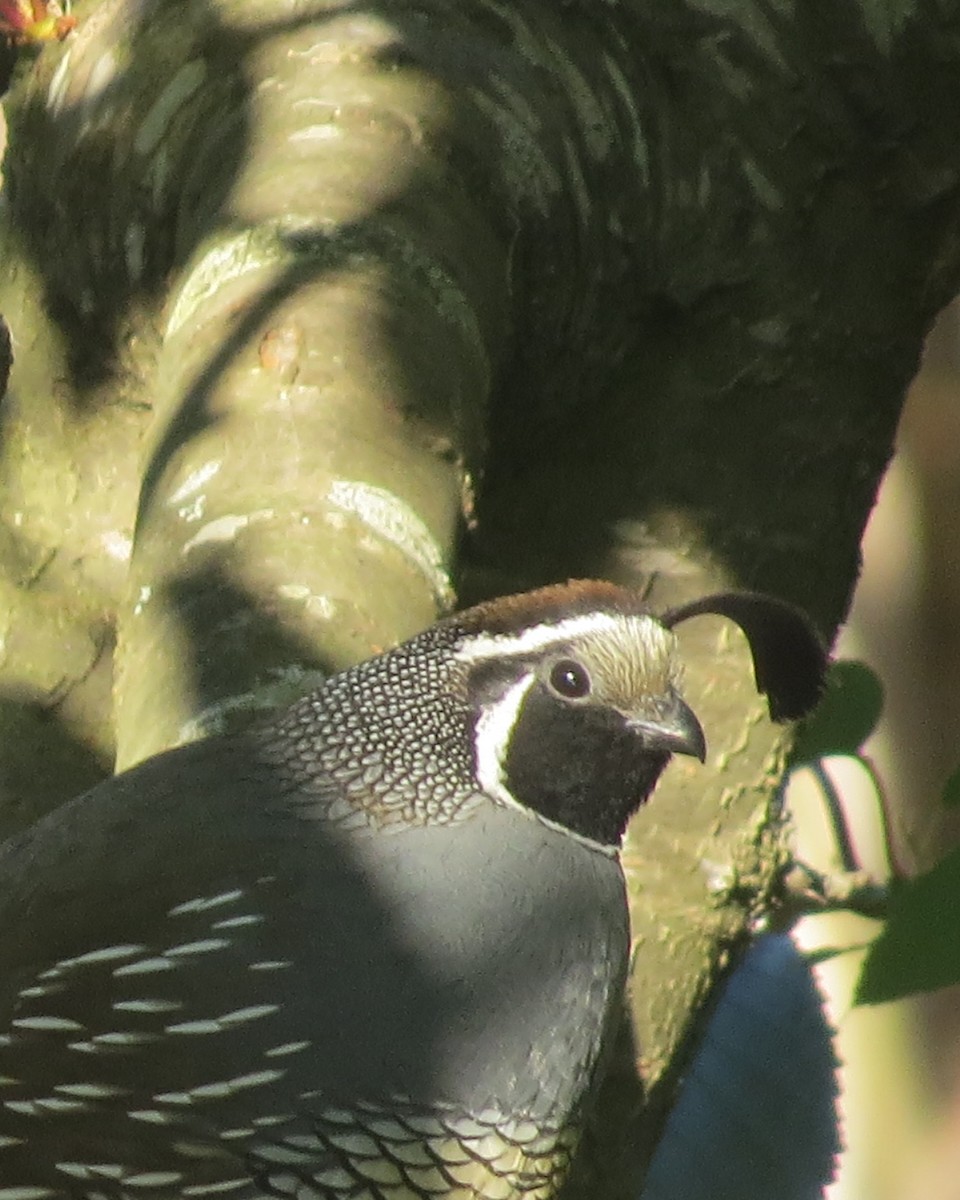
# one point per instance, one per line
(371, 950)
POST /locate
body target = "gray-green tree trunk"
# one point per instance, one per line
(325, 311)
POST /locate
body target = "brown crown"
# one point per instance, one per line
(549, 605)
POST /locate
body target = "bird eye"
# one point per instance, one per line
(570, 679)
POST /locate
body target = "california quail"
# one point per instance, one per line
(370, 950)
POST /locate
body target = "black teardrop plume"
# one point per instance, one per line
(789, 657)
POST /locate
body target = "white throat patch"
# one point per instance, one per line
(493, 738)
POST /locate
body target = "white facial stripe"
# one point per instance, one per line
(647, 631)
(493, 737)
(492, 740)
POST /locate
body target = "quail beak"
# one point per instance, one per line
(676, 730)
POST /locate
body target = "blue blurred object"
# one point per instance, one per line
(756, 1118)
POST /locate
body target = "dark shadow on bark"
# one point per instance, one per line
(318, 254)
(103, 233)
(212, 608)
(81, 198)
(42, 765)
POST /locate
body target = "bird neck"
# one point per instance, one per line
(387, 735)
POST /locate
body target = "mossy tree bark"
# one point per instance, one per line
(318, 305)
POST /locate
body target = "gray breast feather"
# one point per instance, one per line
(522, 934)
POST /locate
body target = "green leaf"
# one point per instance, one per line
(919, 947)
(846, 715)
